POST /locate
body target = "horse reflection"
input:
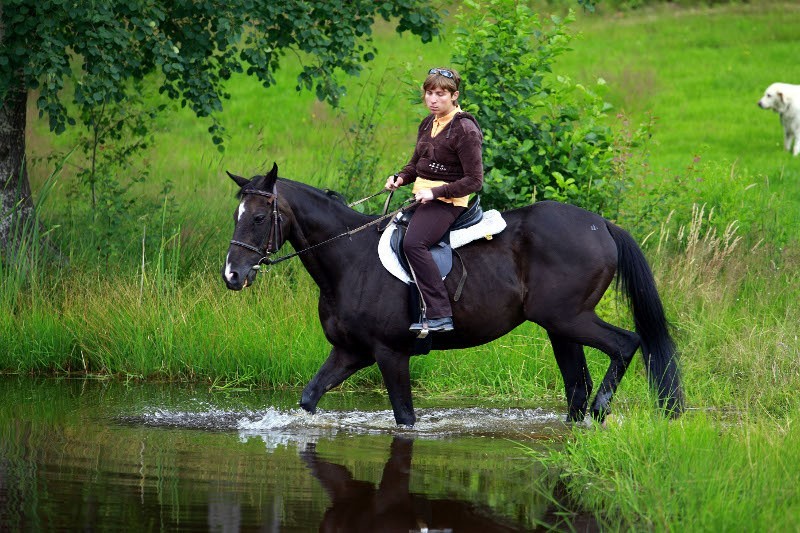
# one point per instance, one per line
(361, 506)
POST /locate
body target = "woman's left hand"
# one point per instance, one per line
(424, 196)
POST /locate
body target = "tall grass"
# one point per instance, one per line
(731, 309)
(702, 473)
(21, 261)
(729, 463)
(28, 269)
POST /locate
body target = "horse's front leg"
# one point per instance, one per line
(397, 378)
(340, 365)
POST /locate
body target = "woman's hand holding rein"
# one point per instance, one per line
(393, 182)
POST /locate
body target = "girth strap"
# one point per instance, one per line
(463, 279)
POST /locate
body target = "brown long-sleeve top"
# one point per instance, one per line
(453, 156)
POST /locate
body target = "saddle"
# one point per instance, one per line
(442, 251)
(471, 225)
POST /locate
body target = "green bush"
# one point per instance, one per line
(545, 136)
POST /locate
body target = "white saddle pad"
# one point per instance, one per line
(492, 223)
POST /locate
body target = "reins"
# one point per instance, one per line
(274, 233)
(370, 197)
(385, 204)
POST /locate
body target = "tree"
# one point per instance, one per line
(91, 53)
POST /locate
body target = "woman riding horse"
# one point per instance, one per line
(445, 169)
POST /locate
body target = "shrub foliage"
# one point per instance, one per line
(545, 136)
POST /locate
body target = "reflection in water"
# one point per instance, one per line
(103, 456)
(361, 506)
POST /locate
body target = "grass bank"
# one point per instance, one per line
(705, 472)
(723, 196)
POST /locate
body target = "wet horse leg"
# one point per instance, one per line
(340, 365)
(619, 344)
(397, 378)
(577, 381)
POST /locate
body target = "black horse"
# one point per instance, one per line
(551, 265)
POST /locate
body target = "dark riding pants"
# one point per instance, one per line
(428, 225)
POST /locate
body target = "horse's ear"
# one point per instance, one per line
(269, 180)
(240, 181)
(273, 174)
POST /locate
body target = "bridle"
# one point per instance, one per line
(275, 238)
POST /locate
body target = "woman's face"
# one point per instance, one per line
(440, 102)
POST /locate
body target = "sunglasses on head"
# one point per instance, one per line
(443, 71)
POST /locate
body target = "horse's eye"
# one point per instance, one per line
(260, 218)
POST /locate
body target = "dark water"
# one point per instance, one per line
(99, 456)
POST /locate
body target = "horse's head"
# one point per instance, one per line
(257, 231)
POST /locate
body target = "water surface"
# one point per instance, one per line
(102, 455)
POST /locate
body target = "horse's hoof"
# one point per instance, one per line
(407, 423)
(307, 407)
(599, 416)
(575, 416)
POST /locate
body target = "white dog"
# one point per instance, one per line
(784, 99)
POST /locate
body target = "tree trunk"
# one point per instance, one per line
(16, 205)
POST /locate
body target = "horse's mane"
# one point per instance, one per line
(325, 193)
(336, 196)
(258, 183)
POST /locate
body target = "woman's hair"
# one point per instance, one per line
(438, 79)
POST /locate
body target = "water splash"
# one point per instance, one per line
(284, 427)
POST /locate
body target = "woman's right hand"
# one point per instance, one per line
(393, 182)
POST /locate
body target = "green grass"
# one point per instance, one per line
(700, 72)
(728, 463)
(714, 198)
(696, 474)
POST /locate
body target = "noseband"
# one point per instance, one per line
(275, 236)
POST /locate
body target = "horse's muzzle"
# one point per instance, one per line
(237, 281)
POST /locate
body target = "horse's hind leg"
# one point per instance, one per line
(340, 365)
(577, 381)
(619, 344)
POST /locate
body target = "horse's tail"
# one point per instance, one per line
(635, 279)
